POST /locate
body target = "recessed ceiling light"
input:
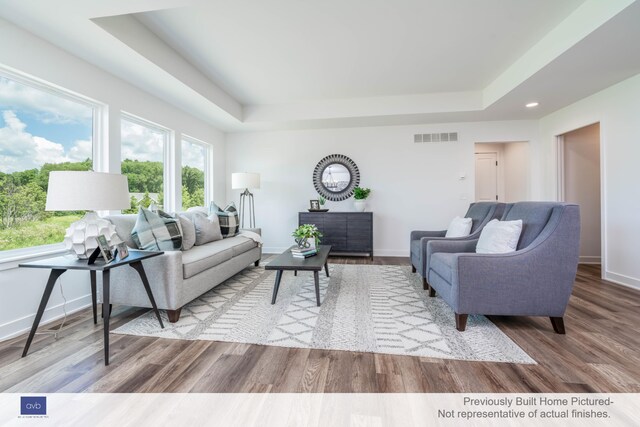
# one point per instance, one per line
(532, 104)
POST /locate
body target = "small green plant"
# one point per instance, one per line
(360, 193)
(321, 200)
(307, 231)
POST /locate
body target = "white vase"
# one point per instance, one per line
(360, 205)
(81, 235)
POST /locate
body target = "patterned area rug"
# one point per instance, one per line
(369, 308)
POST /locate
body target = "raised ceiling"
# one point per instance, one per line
(250, 64)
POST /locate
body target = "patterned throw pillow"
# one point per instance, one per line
(156, 231)
(229, 223)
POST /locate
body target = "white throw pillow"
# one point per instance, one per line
(207, 227)
(499, 237)
(459, 227)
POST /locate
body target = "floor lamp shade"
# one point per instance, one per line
(242, 180)
(246, 180)
(87, 191)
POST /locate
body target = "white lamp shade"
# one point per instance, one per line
(242, 180)
(87, 190)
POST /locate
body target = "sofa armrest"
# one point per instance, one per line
(417, 234)
(254, 230)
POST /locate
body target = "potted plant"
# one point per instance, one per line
(307, 236)
(360, 195)
(322, 201)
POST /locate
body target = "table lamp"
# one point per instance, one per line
(87, 191)
(246, 180)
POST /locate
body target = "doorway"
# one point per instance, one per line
(579, 179)
(502, 171)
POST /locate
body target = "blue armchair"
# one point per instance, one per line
(480, 213)
(535, 280)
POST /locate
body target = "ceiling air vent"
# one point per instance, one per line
(436, 137)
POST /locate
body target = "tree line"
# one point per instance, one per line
(23, 194)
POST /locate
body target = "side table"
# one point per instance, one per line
(59, 265)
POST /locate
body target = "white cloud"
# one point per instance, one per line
(193, 155)
(20, 150)
(141, 143)
(51, 108)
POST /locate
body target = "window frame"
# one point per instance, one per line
(168, 158)
(12, 257)
(208, 166)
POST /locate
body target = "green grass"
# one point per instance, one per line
(36, 233)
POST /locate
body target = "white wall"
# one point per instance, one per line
(414, 186)
(618, 111)
(582, 186)
(20, 290)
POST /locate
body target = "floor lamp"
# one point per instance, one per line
(246, 180)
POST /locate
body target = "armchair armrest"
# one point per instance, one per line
(449, 246)
(417, 234)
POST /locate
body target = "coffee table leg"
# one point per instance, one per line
(94, 303)
(53, 276)
(276, 286)
(106, 312)
(143, 276)
(326, 269)
(295, 272)
(316, 279)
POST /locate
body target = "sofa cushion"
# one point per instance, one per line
(443, 263)
(188, 231)
(207, 227)
(201, 258)
(156, 231)
(242, 245)
(228, 217)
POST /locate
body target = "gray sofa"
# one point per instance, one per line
(480, 213)
(535, 280)
(178, 277)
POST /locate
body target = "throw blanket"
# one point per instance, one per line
(251, 235)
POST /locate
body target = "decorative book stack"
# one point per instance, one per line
(303, 253)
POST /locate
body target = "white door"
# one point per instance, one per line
(486, 177)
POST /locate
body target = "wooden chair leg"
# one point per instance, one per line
(425, 284)
(413, 269)
(432, 292)
(174, 315)
(461, 321)
(558, 325)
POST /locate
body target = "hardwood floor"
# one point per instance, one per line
(599, 353)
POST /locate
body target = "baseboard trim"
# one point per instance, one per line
(590, 260)
(621, 279)
(51, 314)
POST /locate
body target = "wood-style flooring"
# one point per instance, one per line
(599, 353)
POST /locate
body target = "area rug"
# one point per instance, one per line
(367, 308)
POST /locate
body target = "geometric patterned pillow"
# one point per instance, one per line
(156, 231)
(229, 223)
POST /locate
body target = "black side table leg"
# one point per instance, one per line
(316, 279)
(53, 277)
(276, 286)
(94, 300)
(106, 312)
(143, 276)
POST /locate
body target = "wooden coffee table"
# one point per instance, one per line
(286, 261)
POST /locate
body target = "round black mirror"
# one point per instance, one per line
(335, 177)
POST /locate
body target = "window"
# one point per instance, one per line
(143, 146)
(195, 155)
(42, 129)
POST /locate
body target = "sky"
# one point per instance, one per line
(37, 127)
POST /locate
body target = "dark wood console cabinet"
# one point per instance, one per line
(347, 232)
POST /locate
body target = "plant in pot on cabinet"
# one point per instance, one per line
(360, 195)
(307, 236)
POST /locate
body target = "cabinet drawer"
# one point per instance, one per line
(311, 218)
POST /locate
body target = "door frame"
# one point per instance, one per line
(560, 186)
